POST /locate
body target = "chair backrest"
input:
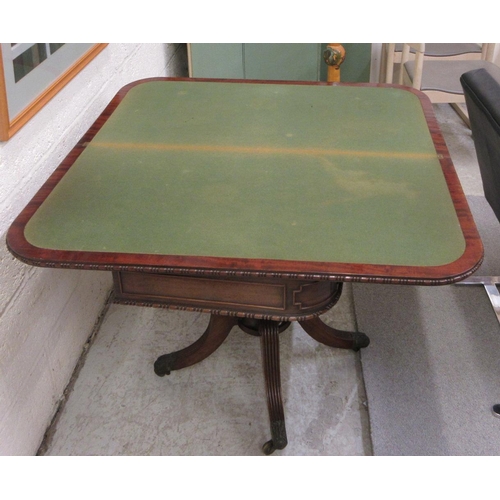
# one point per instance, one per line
(487, 52)
(482, 97)
(419, 49)
(392, 54)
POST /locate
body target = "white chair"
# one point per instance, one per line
(439, 78)
(391, 54)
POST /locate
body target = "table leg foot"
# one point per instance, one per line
(279, 441)
(217, 331)
(332, 337)
(269, 339)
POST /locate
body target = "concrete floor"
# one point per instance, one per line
(116, 404)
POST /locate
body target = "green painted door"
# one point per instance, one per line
(282, 61)
(276, 61)
(216, 60)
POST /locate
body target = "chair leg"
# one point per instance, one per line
(494, 296)
(461, 111)
(490, 286)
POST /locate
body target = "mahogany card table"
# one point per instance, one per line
(255, 201)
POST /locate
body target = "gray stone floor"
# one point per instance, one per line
(118, 406)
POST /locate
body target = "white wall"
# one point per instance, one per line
(46, 315)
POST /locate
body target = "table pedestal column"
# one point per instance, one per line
(269, 342)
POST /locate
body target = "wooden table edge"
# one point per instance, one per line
(227, 266)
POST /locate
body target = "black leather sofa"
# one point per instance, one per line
(482, 97)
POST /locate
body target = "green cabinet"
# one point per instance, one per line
(281, 61)
(216, 60)
(275, 61)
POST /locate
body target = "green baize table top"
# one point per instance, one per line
(290, 172)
